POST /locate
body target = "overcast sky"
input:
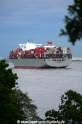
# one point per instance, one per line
(40, 20)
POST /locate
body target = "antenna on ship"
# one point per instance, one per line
(30, 40)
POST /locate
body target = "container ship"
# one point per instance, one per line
(32, 55)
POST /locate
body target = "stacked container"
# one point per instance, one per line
(29, 54)
(22, 54)
(35, 52)
(42, 52)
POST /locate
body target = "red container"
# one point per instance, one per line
(16, 51)
(16, 55)
(42, 51)
(38, 55)
(30, 55)
(10, 52)
(26, 51)
(49, 43)
(35, 50)
(22, 55)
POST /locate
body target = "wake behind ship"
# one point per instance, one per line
(32, 55)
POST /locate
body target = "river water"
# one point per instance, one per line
(45, 86)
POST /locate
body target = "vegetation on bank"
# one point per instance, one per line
(14, 104)
(73, 22)
(70, 109)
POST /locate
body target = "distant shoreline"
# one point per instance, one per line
(76, 60)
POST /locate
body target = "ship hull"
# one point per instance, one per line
(41, 62)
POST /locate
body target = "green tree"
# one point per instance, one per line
(73, 22)
(25, 105)
(70, 109)
(14, 105)
(7, 82)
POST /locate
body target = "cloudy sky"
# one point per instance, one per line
(40, 20)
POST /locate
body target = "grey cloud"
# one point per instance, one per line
(31, 11)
